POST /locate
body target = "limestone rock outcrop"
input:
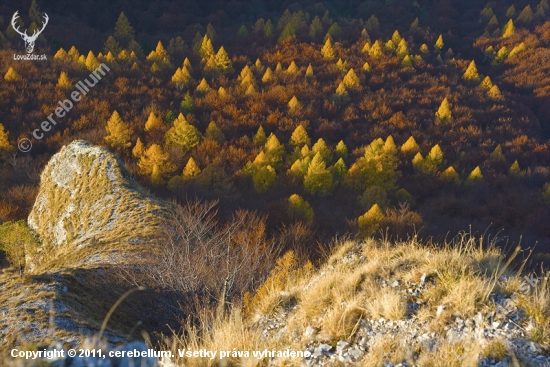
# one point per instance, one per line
(87, 197)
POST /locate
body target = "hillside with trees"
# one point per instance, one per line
(323, 123)
(273, 130)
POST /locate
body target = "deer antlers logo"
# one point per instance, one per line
(29, 40)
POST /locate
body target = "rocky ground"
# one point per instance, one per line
(499, 336)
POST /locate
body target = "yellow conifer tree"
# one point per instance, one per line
(155, 67)
(494, 92)
(206, 49)
(223, 62)
(181, 78)
(418, 162)
(389, 146)
(191, 170)
(407, 62)
(4, 141)
(318, 179)
(299, 137)
(248, 80)
(341, 150)
(444, 111)
(342, 65)
(182, 134)
(474, 176)
(298, 208)
(351, 80)
(508, 29)
(187, 64)
(294, 104)
(439, 43)
(138, 149)
(155, 156)
(250, 90)
(123, 56)
(516, 50)
(436, 156)
(153, 122)
(396, 37)
(450, 175)
(471, 75)
(486, 83)
(327, 51)
(274, 150)
(267, 75)
(203, 87)
(370, 221)
(376, 50)
(515, 170)
(410, 146)
(63, 82)
(118, 132)
(222, 92)
(292, 68)
(110, 57)
(260, 137)
(73, 53)
(309, 71)
(497, 155)
(366, 67)
(61, 54)
(402, 48)
(91, 61)
(11, 75)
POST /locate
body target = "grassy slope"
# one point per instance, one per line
(90, 216)
(354, 286)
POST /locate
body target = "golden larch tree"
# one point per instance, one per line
(294, 104)
(118, 132)
(471, 74)
(153, 122)
(299, 137)
(191, 170)
(155, 156)
(91, 61)
(138, 149)
(370, 221)
(351, 80)
(4, 141)
(63, 82)
(318, 180)
(182, 134)
(11, 75)
(444, 111)
(327, 51)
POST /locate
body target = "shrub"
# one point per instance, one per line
(17, 241)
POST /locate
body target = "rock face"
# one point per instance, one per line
(92, 219)
(87, 196)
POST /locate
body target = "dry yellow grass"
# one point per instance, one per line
(388, 349)
(450, 355)
(334, 299)
(364, 282)
(537, 306)
(87, 198)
